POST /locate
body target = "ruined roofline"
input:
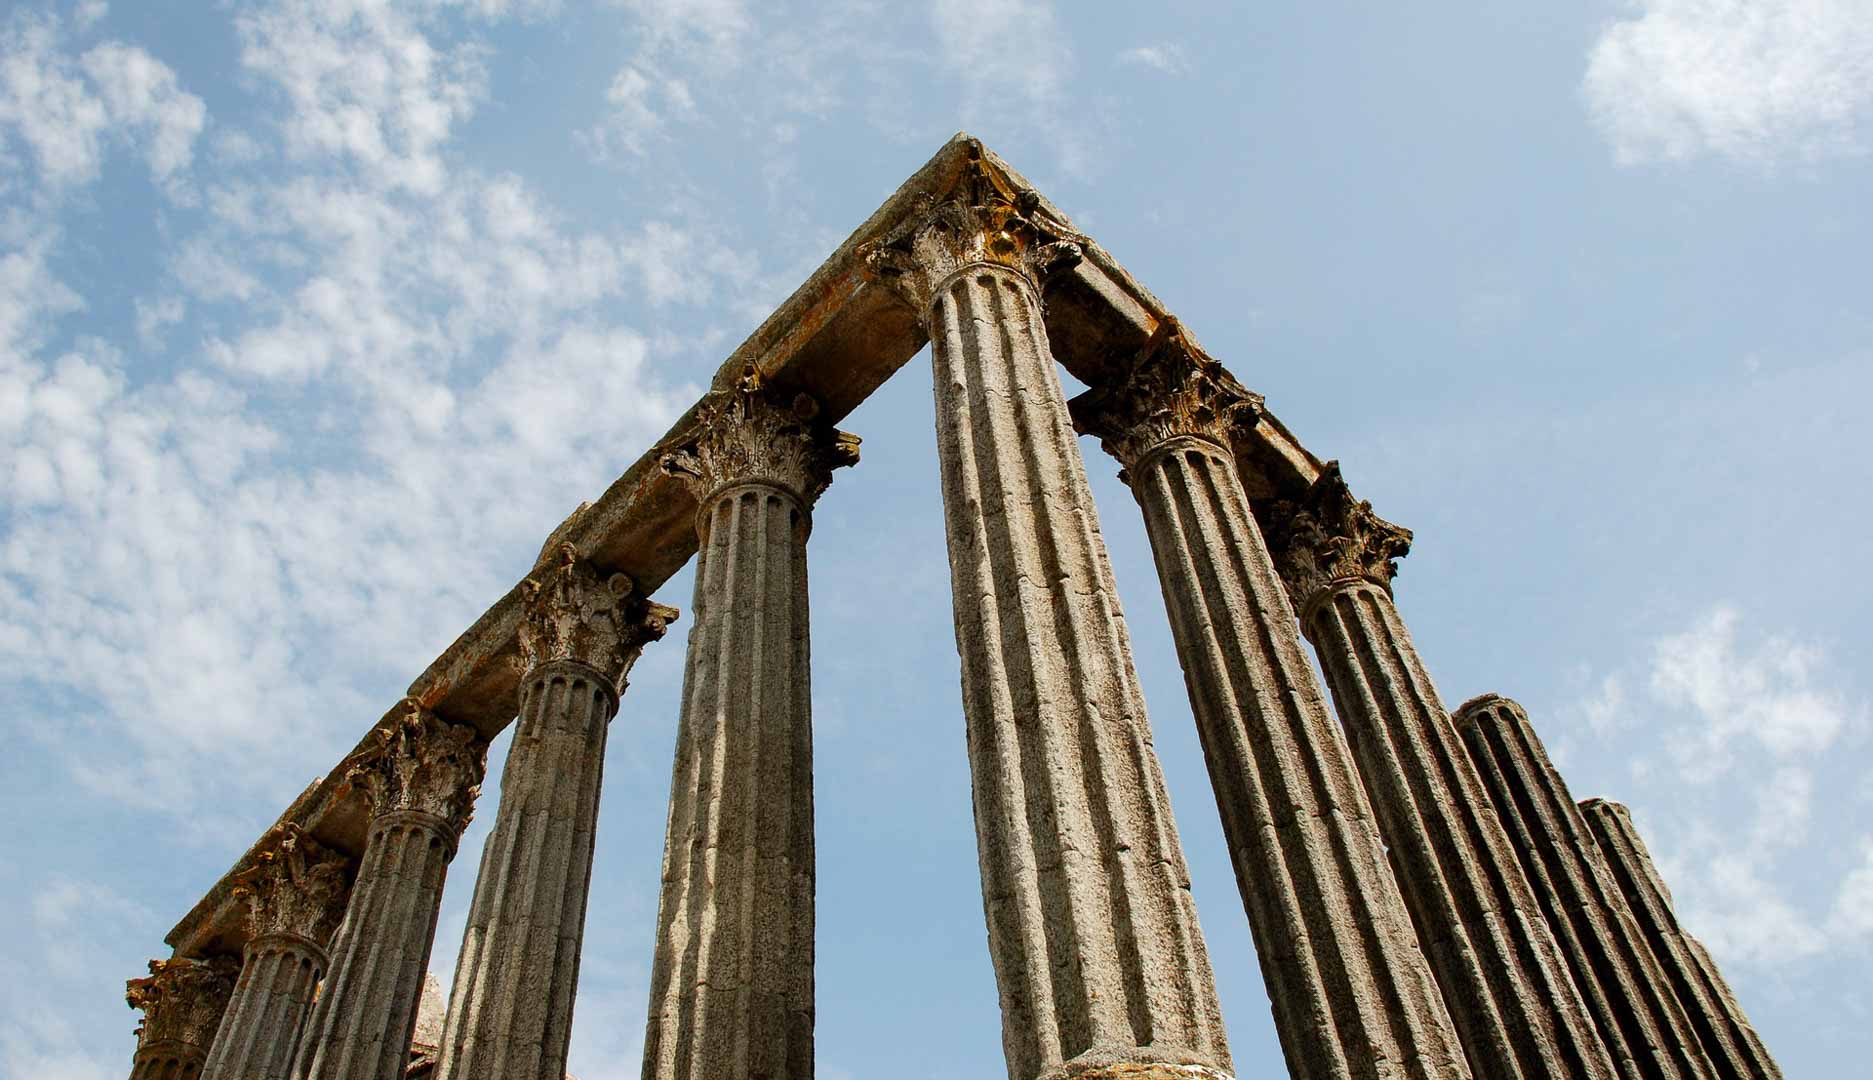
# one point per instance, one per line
(839, 336)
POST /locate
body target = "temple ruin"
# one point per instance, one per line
(1426, 898)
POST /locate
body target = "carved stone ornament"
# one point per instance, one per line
(296, 887)
(746, 434)
(1173, 388)
(573, 615)
(1328, 537)
(418, 761)
(982, 218)
(182, 1000)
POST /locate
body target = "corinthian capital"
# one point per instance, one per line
(746, 434)
(1327, 537)
(182, 1000)
(572, 614)
(1171, 389)
(983, 218)
(418, 761)
(296, 887)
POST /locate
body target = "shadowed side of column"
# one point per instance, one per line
(1352, 995)
(182, 1001)
(1506, 984)
(295, 895)
(732, 977)
(1623, 986)
(420, 777)
(510, 1014)
(1728, 1036)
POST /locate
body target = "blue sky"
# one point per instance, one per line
(317, 315)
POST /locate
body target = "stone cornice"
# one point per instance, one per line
(1327, 538)
(1172, 389)
(573, 614)
(182, 1000)
(747, 435)
(983, 219)
(419, 762)
(297, 887)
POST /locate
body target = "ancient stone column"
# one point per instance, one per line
(1507, 987)
(1352, 995)
(731, 984)
(1627, 994)
(182, 1001)
(1735, 1049)
(1093, 933)
(295, 894)
(510, 1013)
(420, 777)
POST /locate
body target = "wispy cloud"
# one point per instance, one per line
(1746, 79)
(1164, 57)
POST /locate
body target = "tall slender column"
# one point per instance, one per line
(182, 1001)
(420, 777)
(1093, 933)
(295, 895)
(1351, 993)
(1624, 988)
(731, 985)
(510, 1014)
(1507, 987)
(1728, 1037)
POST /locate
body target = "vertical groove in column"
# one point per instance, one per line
(1351, 992)
(294, 892)
(1502, 978)
(1722, 1027)
(183, 1001)
(1622, 984)
(732, 985)
(510, 1013)
(420, 777)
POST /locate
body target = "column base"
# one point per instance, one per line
(1142, 1063)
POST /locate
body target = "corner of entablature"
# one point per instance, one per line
(984, 218)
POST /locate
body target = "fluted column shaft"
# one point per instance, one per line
(183, 1001)
(420, 777)
(1624, 989)
(1735, 1050)
(731, 991)
(295, 895)
(510, 1013)
(1093, 932)
(1507, 987)
(1351, 993)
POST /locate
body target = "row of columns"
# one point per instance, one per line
(1426, 899)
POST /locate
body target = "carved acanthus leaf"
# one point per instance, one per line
(1328, 537)
(982, 218)
(182, 999)
(296, 886)
(745, 433)
(1171, 389)
(417, 761)
(573, 614)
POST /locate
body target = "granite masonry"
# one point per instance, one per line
(1426, 899)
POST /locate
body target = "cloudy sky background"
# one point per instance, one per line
(317, 315)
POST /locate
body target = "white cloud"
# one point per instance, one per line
(1750, 79)
(1163, 57)
(64, 108)
(641, 106)
(89, 13)
(998, 45)
(1852, 916)
(1766, 693)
